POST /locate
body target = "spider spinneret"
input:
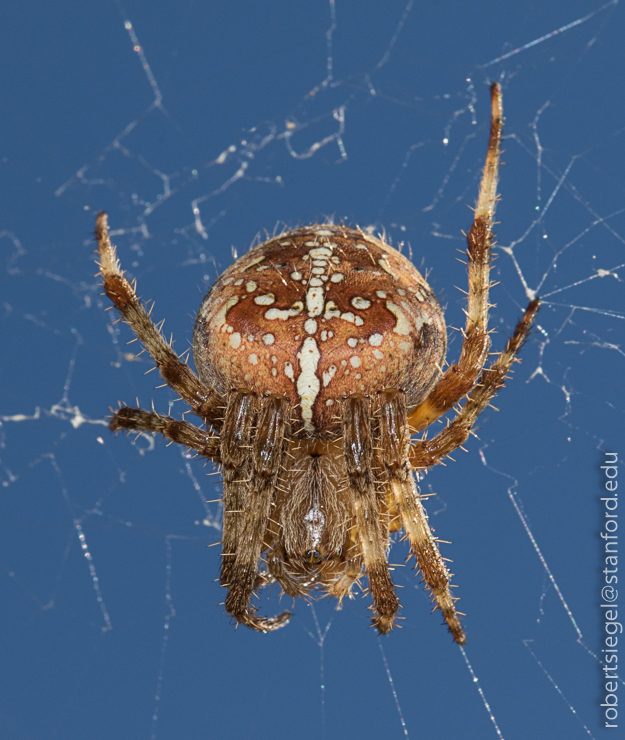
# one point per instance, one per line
(319, 354)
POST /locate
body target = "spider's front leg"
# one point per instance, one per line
(394, 440)
(263, 464)
(372, 538)
(458, 380)
(177, 374)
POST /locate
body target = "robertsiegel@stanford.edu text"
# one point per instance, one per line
(609, 593)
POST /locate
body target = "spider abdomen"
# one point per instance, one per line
(317, 314)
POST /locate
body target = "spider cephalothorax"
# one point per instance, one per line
(319, 353)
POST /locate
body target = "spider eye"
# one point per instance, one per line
(313, 557)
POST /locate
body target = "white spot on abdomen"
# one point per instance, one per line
(253, 262)
(328, 375)
(235, 340)
(220, 316)
(319, 253)
(308, 384)
(284, 313)
(331, 311)
(349, 316)
(403, 325)
(314, 301)
(386, 267)
(265, 300)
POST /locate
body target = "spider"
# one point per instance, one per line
(319, 354)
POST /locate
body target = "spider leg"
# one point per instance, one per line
(140, 420)
(428, 452)
(394, 441)
(178, 375)
(236, 435)
(458, 380)
(372, 538)
(268, 450)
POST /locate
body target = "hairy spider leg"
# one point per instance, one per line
(133, 419)
(458, 380)
(428, 452)
(394, 440)
(237, 470)
(177, 374)
(372, 538)
(267, 453)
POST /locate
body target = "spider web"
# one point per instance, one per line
(202, 127)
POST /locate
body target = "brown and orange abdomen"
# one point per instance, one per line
(354, 313)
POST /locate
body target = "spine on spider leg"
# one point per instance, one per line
(268, 449)
(358, 452)
(394, 439)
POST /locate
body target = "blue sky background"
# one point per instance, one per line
(120, 635)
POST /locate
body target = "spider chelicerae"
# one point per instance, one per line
(319, 354)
